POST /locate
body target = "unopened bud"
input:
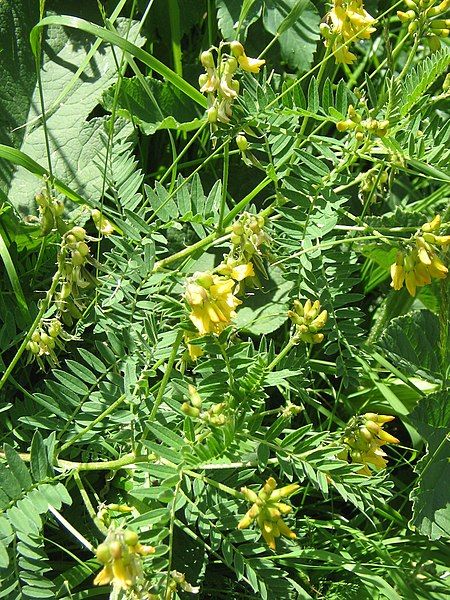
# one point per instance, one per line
(207, 59)
(242, 142)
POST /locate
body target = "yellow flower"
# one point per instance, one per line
(363, 438)
(349, 21)
(252, 65)
(121, 554)
(397, 272)
(267, 510)
(212, 302)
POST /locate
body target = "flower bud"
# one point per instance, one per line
(115, 549)
(194, 396)
(130, 537)
(103, 553)
(79, 233)
(189, 410)
(242, 142)
(237, 49)
(77, 259)
(207, 59)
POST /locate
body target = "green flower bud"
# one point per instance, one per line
(77, 259)
(130, 537)
(242, 142)
(79, 233)
(83, 248)
(207, 59)
(103, 553)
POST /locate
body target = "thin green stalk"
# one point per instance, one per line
(163, 384)
(183, 152)
(168, 591)
(93, 423)
(223, 200)
(174, 19)
(42, 310)
(292, 342)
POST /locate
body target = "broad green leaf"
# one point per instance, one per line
(412, 343)
(75, 143)
(228, 14)
(17, 70)
(266, 309)
(298, 43)
(171, 109)
(431, 494)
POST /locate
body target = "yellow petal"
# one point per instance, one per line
(252, 65)
(105, 576)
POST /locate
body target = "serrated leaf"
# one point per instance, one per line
(431, 494)
(412, 343)
(75, 142)
(229, 13)
(298, 42)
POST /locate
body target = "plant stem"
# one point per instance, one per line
(223, 201)
(91, 425)
(292, 342)
(164, 382)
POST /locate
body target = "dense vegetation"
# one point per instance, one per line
(224, 308)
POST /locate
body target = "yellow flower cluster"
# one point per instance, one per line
(347, 21)
(213, 416)
(308, 320)
(363, 438)
(417, 267)
(247, 237)
(421, 17)
(212, 301)
(121, 554)
(218, 82)
(211, 295)
(267, 509)
(362, 127)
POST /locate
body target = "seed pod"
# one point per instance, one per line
(36, 337)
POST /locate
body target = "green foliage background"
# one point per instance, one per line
(102, 101)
